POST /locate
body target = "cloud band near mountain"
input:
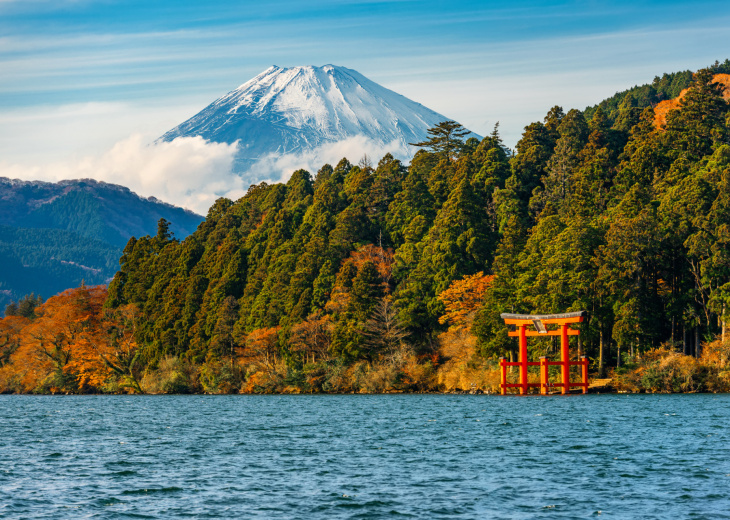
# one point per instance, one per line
(191, 172)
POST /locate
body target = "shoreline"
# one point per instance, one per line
(464, 393)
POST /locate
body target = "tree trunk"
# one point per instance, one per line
(685, 347)
(724, 323)
(601, 352)
(580, 348)
(618, 355)
(698, 349)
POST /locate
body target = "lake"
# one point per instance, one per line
(365, 456)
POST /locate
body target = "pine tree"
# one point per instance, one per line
(501, 294)
(445, 139)
(699, 122)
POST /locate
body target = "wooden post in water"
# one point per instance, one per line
(584, 373)
(503, 367)
(523, 360)
(544, 377)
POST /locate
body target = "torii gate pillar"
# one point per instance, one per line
(522, 321)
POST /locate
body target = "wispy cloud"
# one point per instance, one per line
(79, 76)
(37, 135)
(189, 171)
(278, 168)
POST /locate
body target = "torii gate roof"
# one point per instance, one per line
(568, 317)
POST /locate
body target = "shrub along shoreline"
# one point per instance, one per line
(393, 277)
(71, 344)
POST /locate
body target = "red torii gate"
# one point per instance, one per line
(522, 321)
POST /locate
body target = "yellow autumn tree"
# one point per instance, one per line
(463, 298)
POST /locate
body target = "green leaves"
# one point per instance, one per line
(613, 216)
(446, 139)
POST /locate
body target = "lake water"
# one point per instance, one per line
(355, 456)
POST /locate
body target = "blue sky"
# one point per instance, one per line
(77, 76)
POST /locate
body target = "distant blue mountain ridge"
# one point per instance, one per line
(54, 235)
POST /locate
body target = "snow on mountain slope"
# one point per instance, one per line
(297, 110)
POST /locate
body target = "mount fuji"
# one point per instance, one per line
(305, 112)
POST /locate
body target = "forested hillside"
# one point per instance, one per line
(54, 235)
(32, 260)
(339, 274)
(92, 209)
(668, 86)
(631, 227)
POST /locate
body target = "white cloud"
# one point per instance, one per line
(278, 168)
(189, 172)
(60, 133)
(192, 172)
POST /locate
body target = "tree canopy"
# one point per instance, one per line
(446, 139)
(357, 266)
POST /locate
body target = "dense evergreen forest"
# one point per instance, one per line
(48, 259)
(364, 265)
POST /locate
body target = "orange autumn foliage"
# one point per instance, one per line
(54, 347)
(117, 347)
(463, 298)
(10, 328)
(260, 347)
(311, 338)
(382, 258)
(662, 109)
(384, 262)
(70, 346)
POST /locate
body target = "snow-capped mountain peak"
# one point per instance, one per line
(294, 110)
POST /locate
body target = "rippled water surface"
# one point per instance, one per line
(352, 456)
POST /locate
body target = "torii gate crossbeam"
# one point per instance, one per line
(522, 321)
